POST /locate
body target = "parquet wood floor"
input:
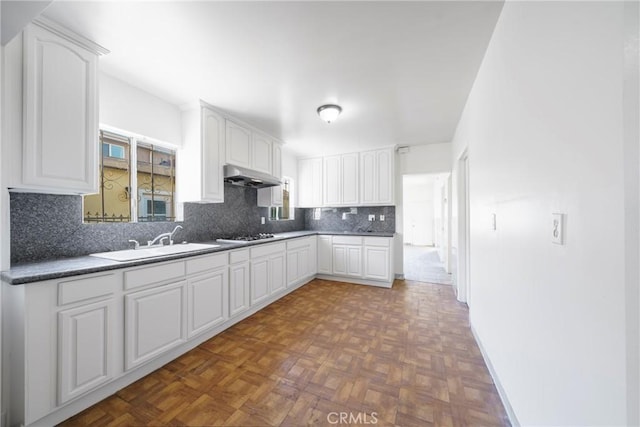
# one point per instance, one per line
(400, 357)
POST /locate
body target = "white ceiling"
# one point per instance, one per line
(400, 70)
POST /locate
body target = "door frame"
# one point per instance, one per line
(464, 230)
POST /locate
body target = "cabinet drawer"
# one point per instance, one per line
(239, 256)
(89, 287)
(377, 241)
(347, 240)
(263, 250)
(298, 243)
(157, 273)
(205, 263)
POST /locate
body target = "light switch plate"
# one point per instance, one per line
(494, 225)
(262, 220)
(381, 217)
(557, 228)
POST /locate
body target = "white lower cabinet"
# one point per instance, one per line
(259, 280)
(301, 260)
(207, 296)
(85, 348)
(377, 259)
(363, 260)
(325, 255)
(347, 256)
(155, 322)
(239, 282)
(268, 271)
(71, 342)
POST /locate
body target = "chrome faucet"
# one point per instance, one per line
(161, 237)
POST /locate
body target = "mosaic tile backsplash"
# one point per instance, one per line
(45, 226)
(331, 219)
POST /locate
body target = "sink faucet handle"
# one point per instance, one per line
(178, 227)
(136, 244)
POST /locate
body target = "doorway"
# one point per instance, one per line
(426, 227)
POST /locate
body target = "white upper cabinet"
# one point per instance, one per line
(341, 180)
(201, 157)
(377, 177)
(310, 183)
(239, 148)
(356, 179)
(60, 121)
(272, 196)
(261, 154)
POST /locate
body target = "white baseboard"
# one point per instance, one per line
(501, 392)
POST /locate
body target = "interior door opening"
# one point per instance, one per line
(426, 216)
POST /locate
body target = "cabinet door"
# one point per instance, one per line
(277, 273)
(259, 280)
(276, 161)
(350, 179)
(212, 156)
(313, 256)
(310, 183)
(60, 114)
(332, 181)
(303, 262)
(239, 288)
(292, 267)
(368, 178)
(261, 153)
(354, 261)
(155, 322)
(316, 182)
(207, 296)
(85, 348)
(376, 263)
(325, 255)
(340, 260)
(385, 177)
(238, 145)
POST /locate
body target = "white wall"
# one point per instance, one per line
(418, 209)
(421, 159)
(128, 108)
(543, 128)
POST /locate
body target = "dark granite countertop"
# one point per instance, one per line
(66, 267)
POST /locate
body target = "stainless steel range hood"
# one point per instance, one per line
(243, 177)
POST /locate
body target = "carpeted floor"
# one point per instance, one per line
(422, 263)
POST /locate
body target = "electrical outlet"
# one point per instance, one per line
(381, 217)
(372, 217)
(262, 220)
(557, 232)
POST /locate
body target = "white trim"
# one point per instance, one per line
(69, 35)
(501, 392)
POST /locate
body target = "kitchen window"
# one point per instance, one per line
(137, 181)
(286, 211)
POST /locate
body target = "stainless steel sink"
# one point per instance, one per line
(157, 251)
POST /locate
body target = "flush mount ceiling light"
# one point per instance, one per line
(329, 112)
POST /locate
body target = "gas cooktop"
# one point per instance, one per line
(246, 239)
